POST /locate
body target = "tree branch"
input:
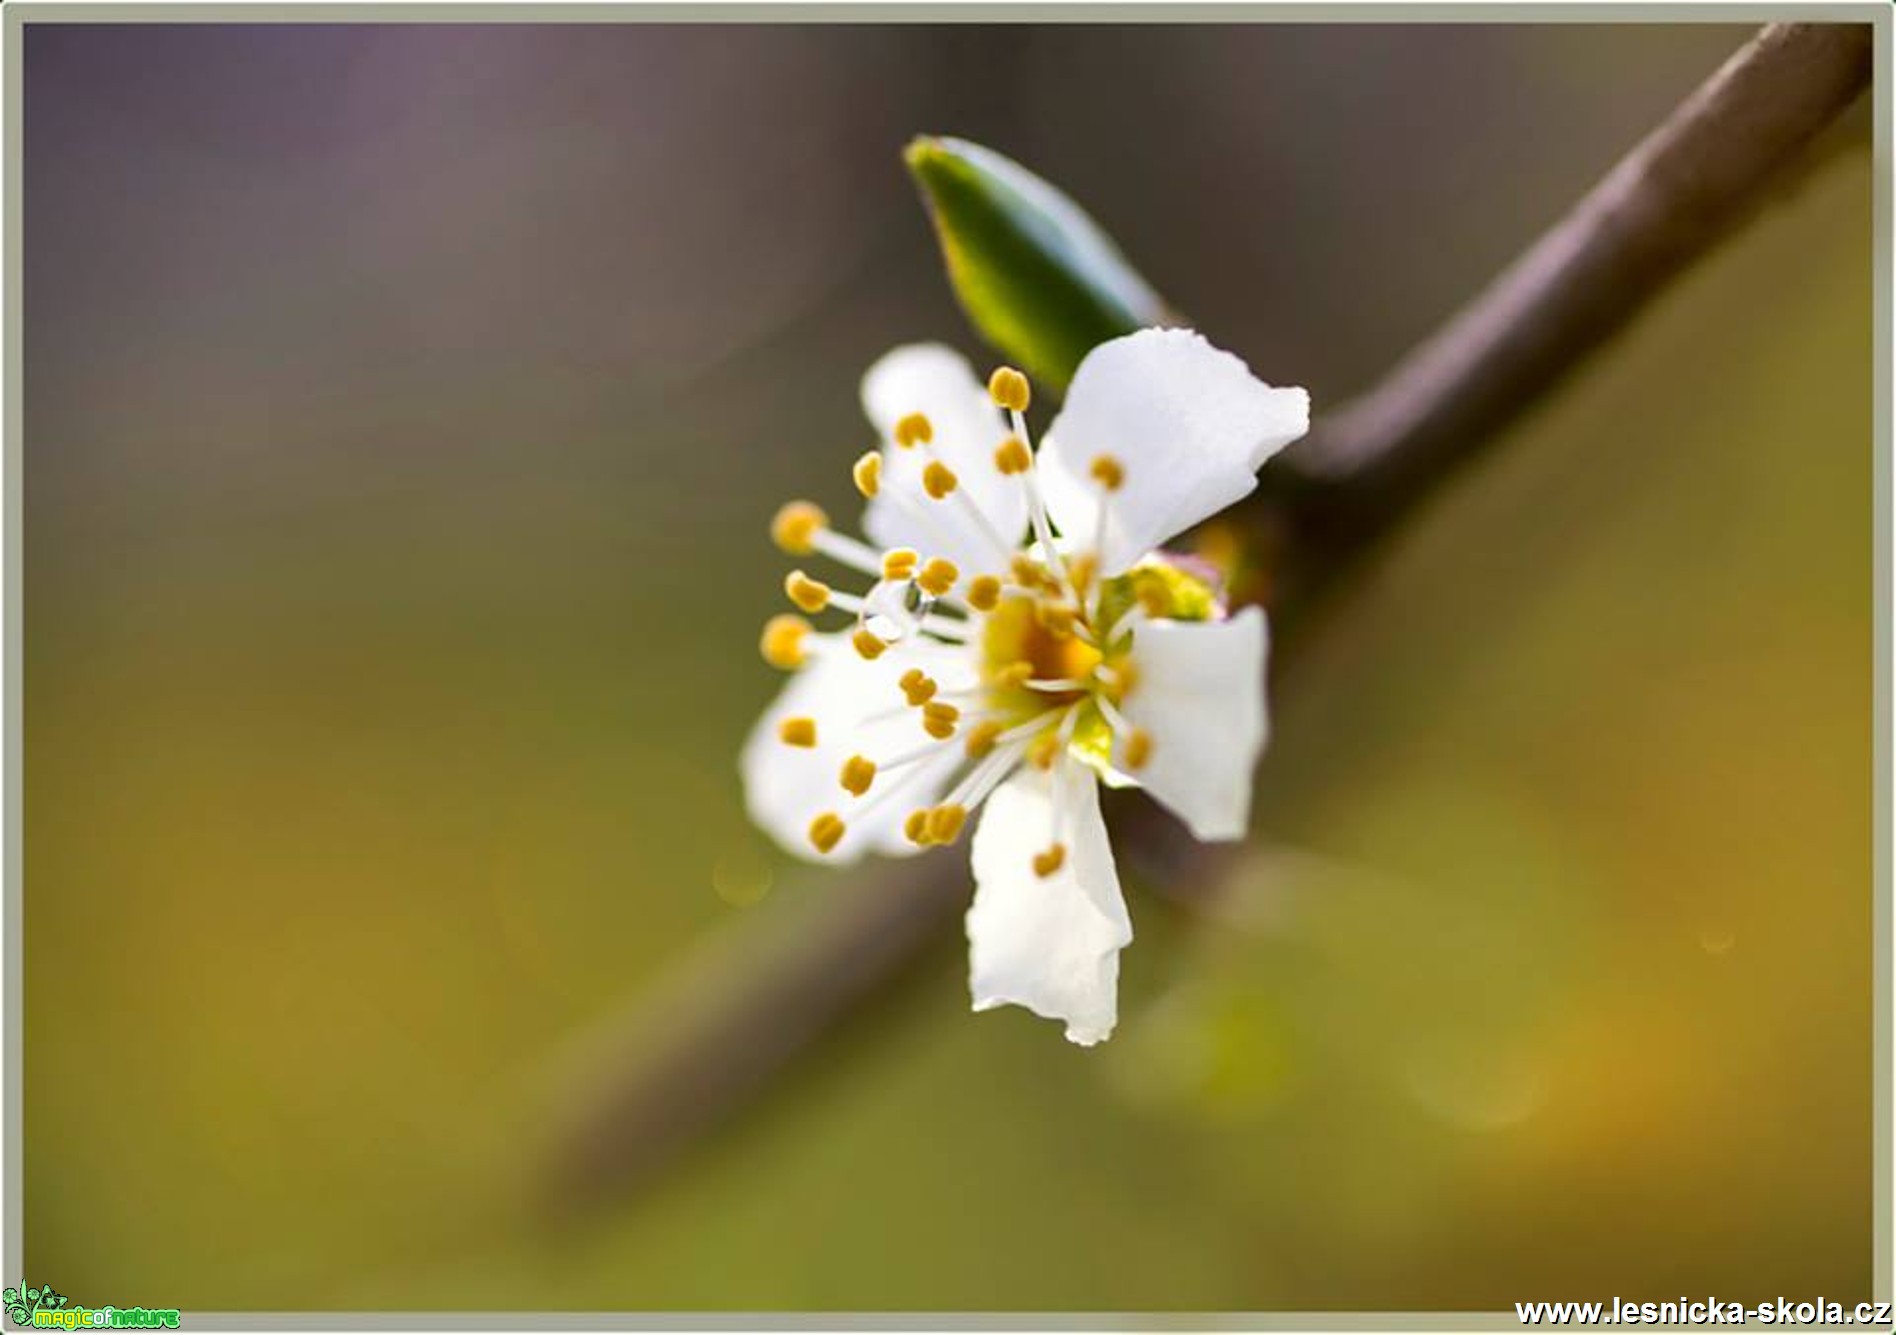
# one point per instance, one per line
(1664, 205)
(688, 1064)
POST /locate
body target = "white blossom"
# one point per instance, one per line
(1022, 638)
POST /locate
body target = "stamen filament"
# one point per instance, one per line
(1047, 863)
(1037, 505)
(1099, 535)
(882, 794)
(982, 522)
(1002, 547)
(949, 634)
(1058, 821)
(920, 513)
(1039, 723)
(985, 776)
(845, 550)
(907, 758)
(1114, 719)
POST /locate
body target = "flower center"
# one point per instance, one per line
(1052, 647)
(1017, 632)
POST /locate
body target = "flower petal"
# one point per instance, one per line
(1200, 697)
(1050, 944)
(858, 709)
(1189, 425)
(936, 381)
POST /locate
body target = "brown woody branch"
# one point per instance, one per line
(1662, 207)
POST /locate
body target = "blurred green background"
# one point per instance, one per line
(404, 408)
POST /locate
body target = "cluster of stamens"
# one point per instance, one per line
(1054, 662)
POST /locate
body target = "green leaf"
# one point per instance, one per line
(1038, 278)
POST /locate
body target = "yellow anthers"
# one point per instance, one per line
(1155, 598)
(867, 472)
(939, 480)
(984, 593)
(938, 576)
(981, 738)
(1014, 674)
(858, 773)
(1124, 676)
(868, 644)
(1009, 389)
(915, 828)
(797, 732)
(826, 831)
(812, 595)
(1108, 472)
(1080, 571)
(1045, 749)
(1049, 862)
(1012, 456)
(945, 822)
(1029, 573)
(1055, 617)
(915, 429)
(917, 686)
(898, 563)
(938, 719)
(796, 526)
(1138, 748)
(782, 641)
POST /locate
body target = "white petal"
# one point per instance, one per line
(937, 381)
(786, 787)
(1201, 697)
(1189, 424)
(1051, 945)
